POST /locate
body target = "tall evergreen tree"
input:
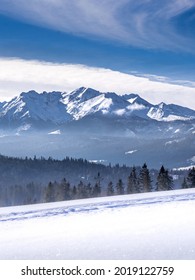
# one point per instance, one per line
(110, 189)
(65, 189)
(49, 193)
(132, 183)
(164, 180)
(145, 183)
(96, 191)
(80, 190)
(88, 190)
(98, 179)
(120, 188)
(191, 178)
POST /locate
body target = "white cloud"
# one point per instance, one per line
(17, 75)
(80, 17)
(144, 23)
(164, 79)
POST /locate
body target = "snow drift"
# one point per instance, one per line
(141, 226)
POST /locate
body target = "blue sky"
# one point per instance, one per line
(146, 39)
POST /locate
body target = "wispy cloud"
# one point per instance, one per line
(164, 79)
(143, 23)
(17, 75)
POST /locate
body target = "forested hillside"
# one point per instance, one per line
(37, 180)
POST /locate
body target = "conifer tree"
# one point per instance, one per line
(49, 193)
(80, 190)
(120, 188)
(145, 183)
(96, 191)
(98, 179)
(65, 190)
(110, 189)
(164, 180)
(132, 184)
(88, 190)
(191, 178)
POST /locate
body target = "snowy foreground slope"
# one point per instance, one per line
(142, 226)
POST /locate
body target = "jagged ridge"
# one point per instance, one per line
(59, 107)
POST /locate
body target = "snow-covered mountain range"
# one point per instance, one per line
(59, 107)
(102, 127)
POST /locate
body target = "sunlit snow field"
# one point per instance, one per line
(141, 226)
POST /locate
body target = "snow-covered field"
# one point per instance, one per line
(142, 226)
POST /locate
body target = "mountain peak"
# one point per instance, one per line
(80, 94)
(161, 105)
(30, 93)
(33, 93)
(133, 98)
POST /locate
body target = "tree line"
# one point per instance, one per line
(136, 183)
(25, 180)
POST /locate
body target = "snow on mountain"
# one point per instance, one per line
(136, 99)
(2, 104)
(184, 168)
(87, 101)
(31, 106)
(171, 112)
(150, 226)
(58, 108)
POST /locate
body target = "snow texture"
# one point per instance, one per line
(141, 226)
